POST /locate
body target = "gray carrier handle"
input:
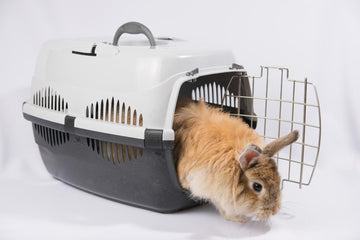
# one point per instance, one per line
(134, 28)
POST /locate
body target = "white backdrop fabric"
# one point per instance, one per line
(317, 39)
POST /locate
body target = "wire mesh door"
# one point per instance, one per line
(281, 105)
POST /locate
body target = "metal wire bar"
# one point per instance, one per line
(292, 181)
(319, 139)
(298, 143)
(280, 103)
(304, 129)
(292, 128)
(275, 100)
(266, 101)
(252, 102)
(300, 163)
(239, 99)
(275, 119)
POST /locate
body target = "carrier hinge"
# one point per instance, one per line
(193, 72)
(236, 66)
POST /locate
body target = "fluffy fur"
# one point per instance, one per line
(208, 144)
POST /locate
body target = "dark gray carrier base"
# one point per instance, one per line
(148, 181)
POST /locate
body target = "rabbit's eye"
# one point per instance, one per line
(257, 187)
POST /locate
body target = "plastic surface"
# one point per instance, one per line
(144, 182)
(137, 76)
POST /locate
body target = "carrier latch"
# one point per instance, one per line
(153, 138)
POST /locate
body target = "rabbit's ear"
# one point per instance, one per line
(280, 143)
(249, 157)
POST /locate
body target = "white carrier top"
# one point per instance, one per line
(97, 83)
(122, 68)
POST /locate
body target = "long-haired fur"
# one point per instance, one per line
(208, 144)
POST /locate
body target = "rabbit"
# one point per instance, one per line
(222, 160)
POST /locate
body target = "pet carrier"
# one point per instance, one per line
(102, 113)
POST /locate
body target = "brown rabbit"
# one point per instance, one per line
(219, 159)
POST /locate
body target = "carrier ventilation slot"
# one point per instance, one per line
(114, 111)
(51, 136)
(48, 98)
(213, 93)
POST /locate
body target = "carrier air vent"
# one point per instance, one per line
(49, 98)
(112, 110)
(51, 136)
(214, 93)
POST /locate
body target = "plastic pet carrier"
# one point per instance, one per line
(102, 113)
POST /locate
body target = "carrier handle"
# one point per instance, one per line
(134, 28)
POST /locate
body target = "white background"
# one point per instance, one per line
(316, 39)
